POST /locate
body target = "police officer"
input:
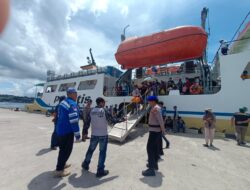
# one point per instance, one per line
(100, 117)
(66, 128)
(156, 130)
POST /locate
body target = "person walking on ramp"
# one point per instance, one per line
(100, 118)
(156, 130)
(66, 128)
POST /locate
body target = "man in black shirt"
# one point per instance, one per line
(240, 121)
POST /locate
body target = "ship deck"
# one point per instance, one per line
(27, 163)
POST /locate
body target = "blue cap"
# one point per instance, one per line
(152, 98)
(71, 90)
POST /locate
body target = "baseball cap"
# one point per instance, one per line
(71, 90)
(152, 98)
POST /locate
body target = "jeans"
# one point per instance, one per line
(65, 148)
(103, 143)
(53, 142)
(153, 144)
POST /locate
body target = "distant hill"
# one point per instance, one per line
(17, 99)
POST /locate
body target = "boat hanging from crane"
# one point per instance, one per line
(174, 45)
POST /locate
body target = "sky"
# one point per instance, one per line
(56, 35)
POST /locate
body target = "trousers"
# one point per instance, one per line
(209, 134)
(241, 133)
(65, 144)
(153, 144)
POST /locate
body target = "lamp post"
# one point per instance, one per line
(123, 36)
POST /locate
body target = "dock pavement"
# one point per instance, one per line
(27, 163)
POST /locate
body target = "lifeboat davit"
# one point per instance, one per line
(169, 46)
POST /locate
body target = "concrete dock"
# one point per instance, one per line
(26, 161)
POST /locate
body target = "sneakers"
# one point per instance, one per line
(62, 173)
(85, 167)
(102, 173)
(205, 145)
(148, 173)
(156, 166)
(67, 166)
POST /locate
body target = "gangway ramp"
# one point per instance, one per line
(120, 131)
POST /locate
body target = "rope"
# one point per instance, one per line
(240, 26)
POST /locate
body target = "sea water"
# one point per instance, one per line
(12, 105)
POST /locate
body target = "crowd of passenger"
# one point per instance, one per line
(158, 88)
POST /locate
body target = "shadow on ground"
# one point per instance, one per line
(214, 148)
(43, 151)
(154, 182)
(88, 179)
(46, 181)
(246, 146)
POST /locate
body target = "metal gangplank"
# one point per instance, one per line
(120, 131)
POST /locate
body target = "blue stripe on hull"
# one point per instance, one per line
(200, 113)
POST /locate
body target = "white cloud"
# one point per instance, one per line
(99, 6)
(57, 34)
(19, 88)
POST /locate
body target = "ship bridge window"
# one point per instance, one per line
(87, 85)
(246, 73)
(51, 88)
(65, 86)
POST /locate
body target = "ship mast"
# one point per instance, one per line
(92, 57)
(204, 17)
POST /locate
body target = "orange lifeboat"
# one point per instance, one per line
(4, 13)
(174, 45)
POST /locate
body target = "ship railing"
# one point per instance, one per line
(187, 72)
(99, 70)
(110, 92)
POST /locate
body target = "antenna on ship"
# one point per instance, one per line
(123, 36)
(92, 60)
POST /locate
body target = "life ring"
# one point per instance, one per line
(195, 89)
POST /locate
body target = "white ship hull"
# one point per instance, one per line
(234, 94)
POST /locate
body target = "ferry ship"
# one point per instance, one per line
(226, 84)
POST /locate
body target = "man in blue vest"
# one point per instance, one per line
(66, 128)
